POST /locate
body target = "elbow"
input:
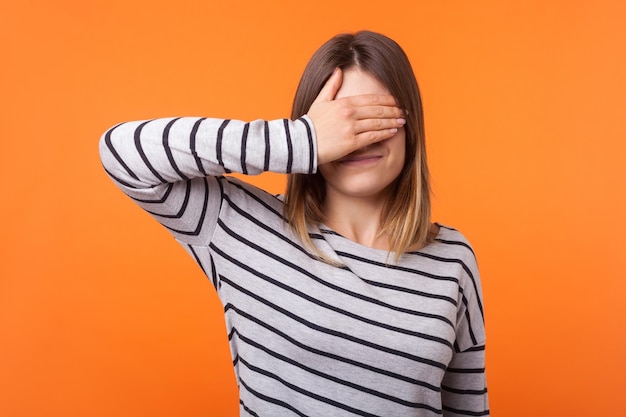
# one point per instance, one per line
(113, 162)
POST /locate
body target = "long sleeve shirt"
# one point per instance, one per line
(307, 338)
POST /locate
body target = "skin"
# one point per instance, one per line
(346, 124)
(357, 184)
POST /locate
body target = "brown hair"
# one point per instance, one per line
(406, 216)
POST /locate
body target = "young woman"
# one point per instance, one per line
(341, 298)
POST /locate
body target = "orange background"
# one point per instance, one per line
(103, 314)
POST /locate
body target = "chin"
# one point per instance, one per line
(362, 188)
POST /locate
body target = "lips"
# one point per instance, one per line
(360, 159)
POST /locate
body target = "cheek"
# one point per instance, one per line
(398, 148)
(398, 152)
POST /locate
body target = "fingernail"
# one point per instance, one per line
(401, 121)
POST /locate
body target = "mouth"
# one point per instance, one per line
(359, 160)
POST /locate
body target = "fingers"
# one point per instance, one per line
(371, 100)
(376, 125)
(378, 112)
(329, 91)
(346, 124)
(371, 106)
(372, 136)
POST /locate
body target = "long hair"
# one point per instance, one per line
(406, 215)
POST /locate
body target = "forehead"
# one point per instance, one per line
(356, 82)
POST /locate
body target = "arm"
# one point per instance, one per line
(169, 166)
(464, 386)
(145, 154)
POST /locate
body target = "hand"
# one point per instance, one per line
(344, 125)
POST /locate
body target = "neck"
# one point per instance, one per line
(357, 219)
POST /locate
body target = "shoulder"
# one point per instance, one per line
(451, 246)
(451, 241)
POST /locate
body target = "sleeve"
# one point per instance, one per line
(464, 386)
(172, 167)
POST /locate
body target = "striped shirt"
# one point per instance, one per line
(307, 338)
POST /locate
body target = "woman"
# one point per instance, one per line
(342, 298)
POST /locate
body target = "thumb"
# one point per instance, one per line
(329, 91)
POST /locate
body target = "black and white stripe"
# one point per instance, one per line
(307, 338)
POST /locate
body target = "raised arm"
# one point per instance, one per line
(170, 166)
(147, 154)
